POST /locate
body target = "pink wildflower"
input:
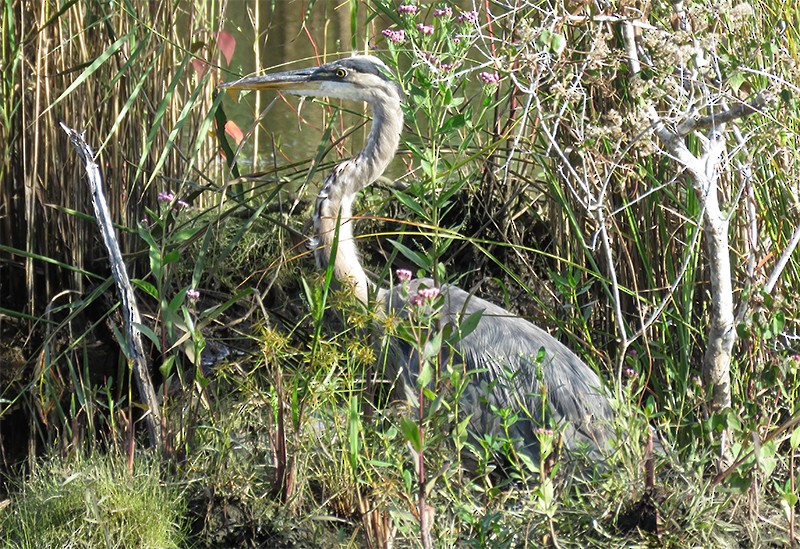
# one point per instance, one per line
(448, 67)
(403, 274)
(425, 29)
(192, 294)
(543, 431)
(423, 296)
(443, 12)
(165, 196)
(429, 57)
(397, 36)
(468, 16)
(489, 77)
(428, 293)
(183, 204)
(631, 373)
(410, 9)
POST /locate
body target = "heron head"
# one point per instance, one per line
(360, 78)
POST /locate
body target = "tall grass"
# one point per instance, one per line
(526, 173)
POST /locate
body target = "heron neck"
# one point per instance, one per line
(335, 199)
(382, 141)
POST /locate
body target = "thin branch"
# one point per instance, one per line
(781, 265)
(755, 105)
(130, 310)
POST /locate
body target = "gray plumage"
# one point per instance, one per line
(504, 351)
(504, 346)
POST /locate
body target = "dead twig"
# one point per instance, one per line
(134, 349)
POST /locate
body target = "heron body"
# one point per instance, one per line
(508, 372)
(514, 360)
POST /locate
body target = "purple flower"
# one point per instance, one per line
(425, 29)
(410, 9)
(489, 77)
(429, 57)
(192, 294)
(543, 431)
(397, 36)
(183, 204)
(165, 196)
(631, 373)
(423, 296)
(468, 16)
(403, 274)
(448, 67)
(443, 12)
(428, 293)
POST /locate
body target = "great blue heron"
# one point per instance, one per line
(504, 350)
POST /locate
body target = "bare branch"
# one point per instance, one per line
(130, 310)
(742, 110)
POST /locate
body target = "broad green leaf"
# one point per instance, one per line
(425, 375)
(149, 334)
(411, 433)
(794, 440)
(166, 366)
(420, 260)
(146, 287)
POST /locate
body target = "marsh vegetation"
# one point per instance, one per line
(622, 174)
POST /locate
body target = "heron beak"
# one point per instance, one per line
(295, 81)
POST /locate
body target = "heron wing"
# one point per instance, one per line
(515, 364)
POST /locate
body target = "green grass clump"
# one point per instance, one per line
(93, 502)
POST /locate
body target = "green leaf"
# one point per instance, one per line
(171, 257)
(144, 233)
(743, 331)
(90, 70)
(146, 287)
(460, 431)
(736, 80)
(452, 124)
(410, 203)
(425, 375)
(156, 267)
(176, 301)
(452, 190)
(166, 366)
(794, 440)
(469, 324)
(354, 429)
(149, 334)
(200, 379)
(558, 43)
(433, 347)
(411, 433)
(778, 322)
(420, 260)
(185, 234)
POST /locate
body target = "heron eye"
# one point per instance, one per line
(341, 73)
